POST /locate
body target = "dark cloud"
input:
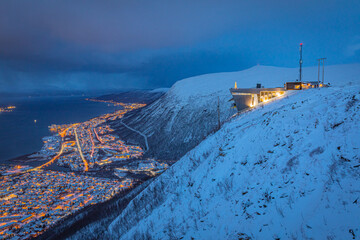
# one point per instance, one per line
(70, 43)
(117, 25)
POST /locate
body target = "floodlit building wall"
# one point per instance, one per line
(250, 97)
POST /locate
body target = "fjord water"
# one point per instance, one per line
(20, 134)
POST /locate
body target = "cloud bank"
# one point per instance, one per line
(113, 44)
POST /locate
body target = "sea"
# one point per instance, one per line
(22, 130)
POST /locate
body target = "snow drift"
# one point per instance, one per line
(289, 169)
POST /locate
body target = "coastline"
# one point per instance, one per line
(24, 135)
(100, 156)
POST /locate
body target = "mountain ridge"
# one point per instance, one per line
(181, 118)
(289, 169)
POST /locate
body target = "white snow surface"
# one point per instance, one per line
(160, 90)
(287, 170)
(268, 76)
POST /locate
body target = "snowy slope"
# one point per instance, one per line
(288, 170)
(268, 76)
(187, 113)
(139, 96)
(160, 90)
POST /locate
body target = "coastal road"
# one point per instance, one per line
(80, 152)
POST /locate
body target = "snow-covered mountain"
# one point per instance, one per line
(131, 96)
(287, 170)
(187, 113)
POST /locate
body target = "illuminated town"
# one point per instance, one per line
(34, 198)
(7, 109)
(90, 144)
(33, 201)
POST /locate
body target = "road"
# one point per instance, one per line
(92, 144)
(52, 160)
(97, 136)
(80, 152)
(145, 137)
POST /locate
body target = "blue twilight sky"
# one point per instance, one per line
(87, 45)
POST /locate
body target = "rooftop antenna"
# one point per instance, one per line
(300, 62)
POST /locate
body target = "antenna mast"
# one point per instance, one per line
(300, 62)
(323, 71)
(218, 111)
(321, 61)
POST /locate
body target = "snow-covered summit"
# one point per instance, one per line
(160, 90)
(187, 113)
(287, 170)
(268, 76)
